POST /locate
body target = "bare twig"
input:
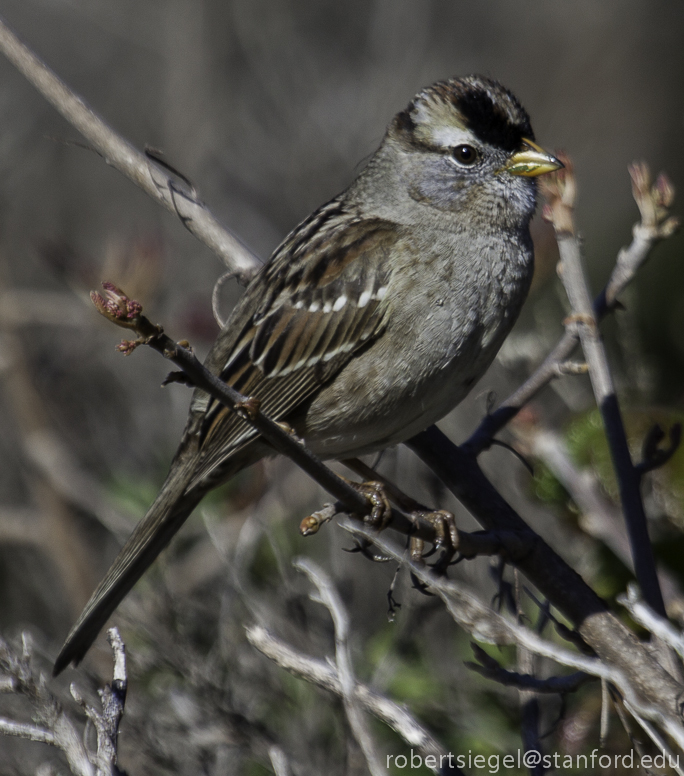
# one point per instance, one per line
(654, 456)
(528, 664)
(484, 624)
(480, 620)
(127, 313)
(324, 675)
(278, 759)
(113, 698)
(657, 625)
(327, 595)
(215, 297)
(30, 732)
(599, 517)
(657, 739)
(56, 728)
(654, 201)
(605, 712)
(152, 177)
(492, 669)
(560, 192)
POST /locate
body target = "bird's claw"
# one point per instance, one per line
(446, 539)
(381, 510)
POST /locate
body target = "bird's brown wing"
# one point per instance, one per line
(295, 327)
(300, 322)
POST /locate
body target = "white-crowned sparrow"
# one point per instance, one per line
(376, 314)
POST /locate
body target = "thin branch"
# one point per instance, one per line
(57, 728)
(560, 191)
(652, 621)
(113, 700)
(657, 739)
(480, 620)
(654, 203)
(278, 759)
(653, 456)
(484, 624)
(127, 313)
(492, 669)
(30, 732)
(599, 517)
(327, 595)
(324, 675)
(151, 177)
(605, 712)
(215, 297)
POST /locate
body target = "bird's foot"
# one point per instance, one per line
(446, 539)
(380, 508)
(248, 409)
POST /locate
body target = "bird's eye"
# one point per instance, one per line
(465, 155)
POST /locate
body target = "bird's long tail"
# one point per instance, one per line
(163, 519)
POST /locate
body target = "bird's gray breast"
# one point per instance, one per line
(462, 309)
(453, 302)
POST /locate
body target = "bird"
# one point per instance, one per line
(373, 318)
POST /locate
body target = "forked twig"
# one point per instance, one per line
(560, 191)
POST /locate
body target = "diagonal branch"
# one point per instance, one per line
(153, 178)
(560, 192)
(556, 580)
(651, 620)
(321, 673)
(127, 313)
(485, 624)
(490, 668)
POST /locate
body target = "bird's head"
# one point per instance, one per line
(467, 145)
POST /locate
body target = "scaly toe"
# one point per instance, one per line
(446, 536)
(381, 509)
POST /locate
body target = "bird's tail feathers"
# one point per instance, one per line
(167, 514)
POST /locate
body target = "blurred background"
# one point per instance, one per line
(270, 108)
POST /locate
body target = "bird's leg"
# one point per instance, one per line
(442, 521)
(446, 539)
(401, 499)
(379, 516)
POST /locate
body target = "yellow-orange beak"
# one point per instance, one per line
(531, 160)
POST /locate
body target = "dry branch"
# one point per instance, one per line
(321, 673)
(560, 191)
(55, 724)
(153, 178)
(328, 596)
(484, 624)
